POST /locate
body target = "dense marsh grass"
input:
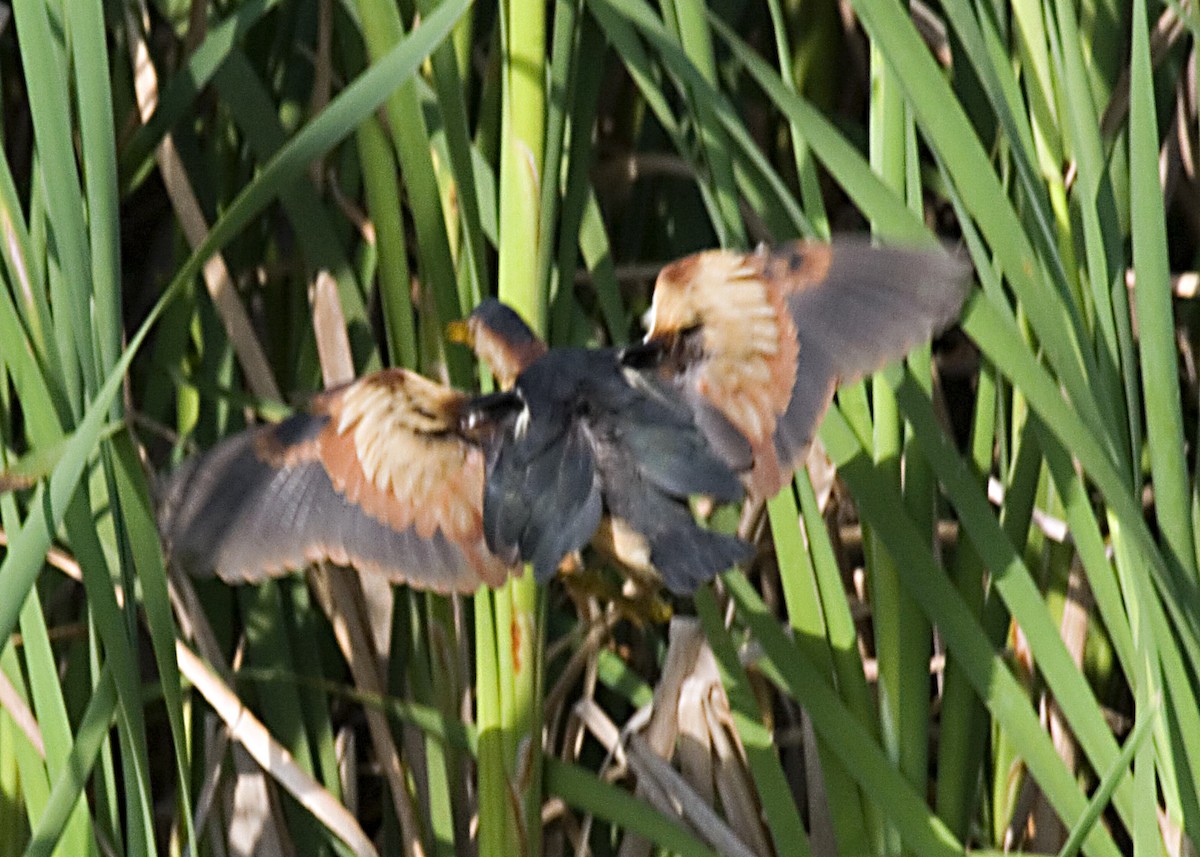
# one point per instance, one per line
(983, 636)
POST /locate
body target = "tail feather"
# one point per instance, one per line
(687, 557)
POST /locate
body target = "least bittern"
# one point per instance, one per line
(402, 476)
(757, 342)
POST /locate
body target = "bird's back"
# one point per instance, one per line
(596, 437)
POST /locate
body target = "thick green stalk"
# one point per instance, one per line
(820, 618)
(382, 29)
(963, 724)
(493, 781)
(1156, 328)
(517, 629)
(522, 145)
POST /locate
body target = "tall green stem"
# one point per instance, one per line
(516, 632)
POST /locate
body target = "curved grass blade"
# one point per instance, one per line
(28, 546)
(878, 502)
(858, 751)
(67, 788)
(137, 157)
(587, 792)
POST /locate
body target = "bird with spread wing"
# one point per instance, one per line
(756, 343)
(401, 476)
(398, 475)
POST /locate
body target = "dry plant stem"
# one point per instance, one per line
(342, 599)
(1052, 528)
(341, 593)
(194, 625)
(822, 837)
(107, 849)
(345, 745)
(273, 757)
(1014, 835)
(337, 367)
(597, 633)
(710, 756)
(241, 723)
(667, 790)
(329, 325)
(217, 278)
(1049, 834)
(1074, 628)
(1170, 153)
(1177, 844)
(573, 731)
(216, 747)
(685, 641)
(937, 665)
(1185, 285)
(350, 209)
(21, 714)
(636, 272)
(933, 31)
(1185, 118)
(739, 800)
(253, 815)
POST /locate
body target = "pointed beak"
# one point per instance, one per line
(460, 332)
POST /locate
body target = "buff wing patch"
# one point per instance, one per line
(782, 328)
(374, 476)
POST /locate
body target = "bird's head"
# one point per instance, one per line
(713, 301)
(500, 338)
(676, 306)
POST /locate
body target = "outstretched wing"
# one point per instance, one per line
(375, 475)
(765, 337)
(855, 307)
